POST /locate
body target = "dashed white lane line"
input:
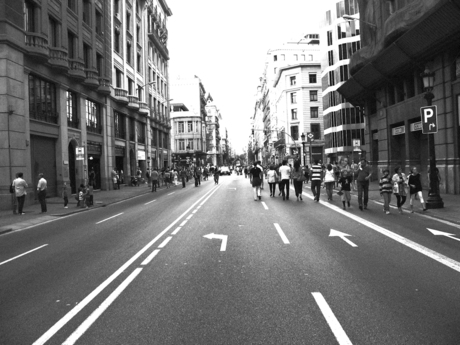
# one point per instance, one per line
(195, 211)
(149, 202)
(176, 231)
(183, 223)
(150, 257)
(18, 256)
(165, 242)
(281, 233)
(171, 193)
(98, 312)
(332, 321)
(190, 216)
(264, 205)
(102, 221)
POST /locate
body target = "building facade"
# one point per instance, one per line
(343, 123)
(401, 42)
(73, 99)
(213, 137)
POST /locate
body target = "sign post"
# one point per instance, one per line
(429, 119)
(311, 138)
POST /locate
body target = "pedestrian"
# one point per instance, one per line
(174, 175)
(385, 190)
(246, 172)
(291, 180)
(329, 181)
(119, 178)
(79, 196)
(65, 195)
(272, 177)
(307, 174)
(90, 194)
(82, 196)
(399, 188)
(216, 174)
(298, 177)
(115, 179)
(196, 176)
(167, 178)
(154, 177)
(20, 185)
(14, 199)
(255, 176)
(363, 175)
(92, 176)
(41, 188)
(183, 176)
(285, 176)
(345, 187)
(316, 173)
(336, 173)
(147, 176)
(139, 176)
(415, 189)
(354, 168)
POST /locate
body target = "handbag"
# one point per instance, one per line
(301, 178)
(11, 189)
(339, 192)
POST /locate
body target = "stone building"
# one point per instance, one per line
(213, 137)
(401, 40)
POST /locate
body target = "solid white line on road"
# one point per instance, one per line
(171, 193)
(165, 242)
(176, 231)
(183, 223)
(98, 312)
(150, 257)
(332, 321)
(18, 256)
(102, 221)
(455, 265)
(149, 202)
(264, 205)
(209, 196)
(281, 233)
(190, 216)
(70, 315)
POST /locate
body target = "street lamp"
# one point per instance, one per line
(434, 199)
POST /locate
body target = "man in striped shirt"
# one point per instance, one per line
(316, 174)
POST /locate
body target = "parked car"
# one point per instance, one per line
(225, 171)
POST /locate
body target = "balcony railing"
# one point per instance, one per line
(74, 123)
(37, 44)
(93, 128)
(77, 69)
(133, 102)
(104, 86)
(120, 134)
(144, 108)
(92, 77)
(45, 116)
(141, 140)
(121, 95)
(58, 57)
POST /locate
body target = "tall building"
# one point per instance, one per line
(291, 101)
(74, 97)
(213, 137)
(189, 130)
(403, 42)
(343, 123)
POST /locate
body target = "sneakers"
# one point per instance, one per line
(348, 203)
(260, 198)
(387, 212)
(365, 207)
(361, 207)
(66, 207)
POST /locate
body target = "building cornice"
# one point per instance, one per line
(301, 64)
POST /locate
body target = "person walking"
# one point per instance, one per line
(167, 178)
(329, 181)
(148, 177)
(65, 195)
(154, 178)
(139, 176)
(363, 175)
(90, 194)
(285, 176)
(298, 177)
(336, 173)
(385, 190)
(92, 176)
(183, 176)
(316, 173)
(41, 188)
(345, 187)
(119, 178)
(245, 172)
(115, 179)
(20, 185)
(174, 174)
(272, 176)
(14, 200)
(79, 194)
(399, 188)
(216, 175)
(83, 196)
(415, 189)
(255, 176)
(307, 174)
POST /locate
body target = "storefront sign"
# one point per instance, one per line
(79, 153)
(399, 130)
(416, 126)
(356, 142)
(141, 155)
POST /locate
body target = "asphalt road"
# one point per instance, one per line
(267, 272)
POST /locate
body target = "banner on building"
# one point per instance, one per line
(141, 155)
(79, 153)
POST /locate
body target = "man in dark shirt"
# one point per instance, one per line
(362, 180)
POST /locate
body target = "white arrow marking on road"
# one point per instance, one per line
(440, 233)
(342, 235)
(223, 245)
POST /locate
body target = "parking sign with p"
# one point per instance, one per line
(429, 119)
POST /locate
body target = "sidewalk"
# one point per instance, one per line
(55, 207)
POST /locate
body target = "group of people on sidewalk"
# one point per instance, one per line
(18, 192)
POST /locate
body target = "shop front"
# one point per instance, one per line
(94, 164)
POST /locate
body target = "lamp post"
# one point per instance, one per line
(303, 147)
(434, 199)
(310, 139)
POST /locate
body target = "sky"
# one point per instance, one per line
(225, 44)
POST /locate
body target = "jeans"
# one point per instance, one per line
(154, 185)
(272, 188)
(400, 200)
(386, 201)
(256, 192)
(316, 189)
(363, 186)
(42, 199)
(20, 200)
(329, 189)
(66, 201)
(284, 187)
(183, 181)
(298, 187)
(216, 179)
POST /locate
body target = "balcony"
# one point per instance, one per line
(104, 86)
(73, 123)
(160, 41)
(92, 78)
(37, 45)
(77, 69)
(45, 116)
(133, 102)
(144, 108)
(121, 96)
(58, 58)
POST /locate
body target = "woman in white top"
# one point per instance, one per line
(329, 181)
(399, 188)
(272, 176)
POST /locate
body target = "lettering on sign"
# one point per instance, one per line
(416, 126)
(429, 119)
(399, 130)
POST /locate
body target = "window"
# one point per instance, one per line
(296, 57)
(283, 57)
(302, 57)
(117, 39)
(132, 131)
(329, 38)
(72, 4)
(100, 64)
(340, 9)
(116, 7)
(275, 58)
(87, 12)
(71, 107)
(189, 126)
(99, 23)
(330, 56)
(328, 18)
(180, 127)
(130, 86)
(42, 100)
(87, 55)
(139, 94)
(310, 57)
(315, 128)
(53, 33)
(331, 78)
(140, 132)
(313, 95)
(118, 78)
(29, 16)
(343, 52)
(72, 42)
(293, 98)
(129, 52)
(181, 144)
(93, 117)
(292, 80)
(197, 126)
(295, 132)
(128, 21)
(344, 73)
(120, 126)
(312, 78)
(190, 144)
(294, 114)
(139, 62)
(314, 112)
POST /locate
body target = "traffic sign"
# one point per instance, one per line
(311, 137)
(356, 142)
(429, 119)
